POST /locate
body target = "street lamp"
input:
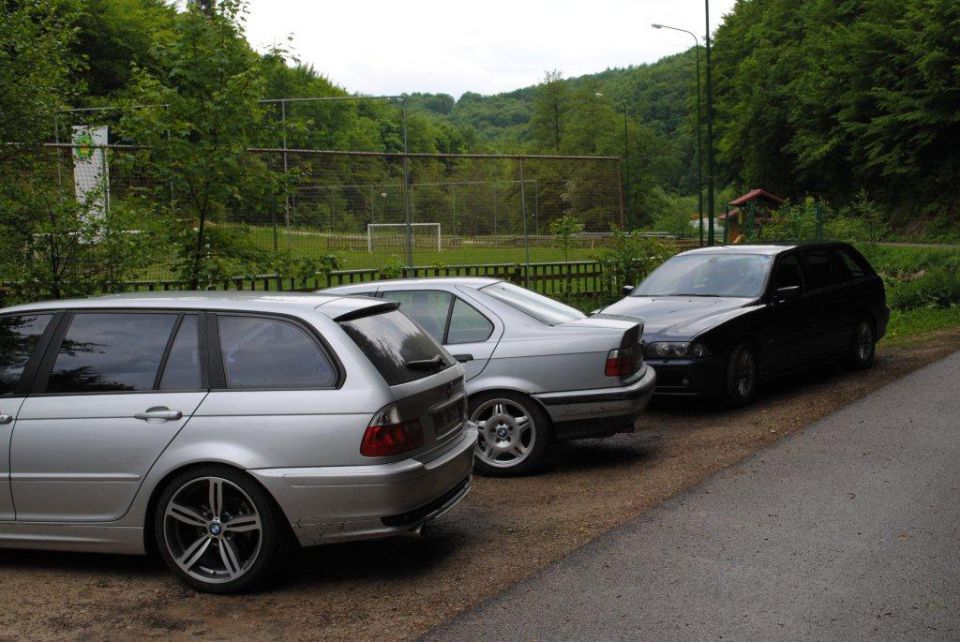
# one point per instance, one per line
(626, 149)
(699, 136)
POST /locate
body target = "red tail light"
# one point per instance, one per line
(387, 435)
(622, 362)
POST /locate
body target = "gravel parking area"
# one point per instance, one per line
(397, 589)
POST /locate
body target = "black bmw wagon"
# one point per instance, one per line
(719, 320)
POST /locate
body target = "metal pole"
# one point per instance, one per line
(699, 119)
(710, 235)
(699, 150)
(626, 166)
(494, 208)
(453, 198)
(286, 192)
(526, 237)
(536, 209)
(406, 183)
(56, 140)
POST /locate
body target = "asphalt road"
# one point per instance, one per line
(849, 530)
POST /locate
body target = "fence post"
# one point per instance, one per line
(406, 182)
(286, 190)
(526, 237)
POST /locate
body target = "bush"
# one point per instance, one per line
(936, 288)
(631, 257)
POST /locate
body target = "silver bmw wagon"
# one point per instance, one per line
(537, 370)
(218, 429)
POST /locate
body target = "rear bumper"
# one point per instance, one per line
(343, 503)
(581, 413)
(689, 377)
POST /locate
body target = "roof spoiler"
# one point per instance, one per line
(350, 308)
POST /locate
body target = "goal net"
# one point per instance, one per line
(393, 236)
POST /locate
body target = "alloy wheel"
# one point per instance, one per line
(745, 373)
(507, 433)
(864, 344)
(212, 530)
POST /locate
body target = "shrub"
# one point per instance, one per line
(936, 288)
(631, 257)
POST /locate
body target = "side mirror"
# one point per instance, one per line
(627, 289)
(788, 294)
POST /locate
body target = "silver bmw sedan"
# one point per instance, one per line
(536, 369)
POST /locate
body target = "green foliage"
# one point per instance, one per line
(565, 228)
(196, 117)
(821, 97)
(936, 288)
(551, 109)
(62, 248)
(631, 257)
(116, 36)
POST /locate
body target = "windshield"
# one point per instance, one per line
(536, 305)
(733, 275)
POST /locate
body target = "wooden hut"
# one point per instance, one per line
(749, 212)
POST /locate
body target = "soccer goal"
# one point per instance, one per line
(381, 236)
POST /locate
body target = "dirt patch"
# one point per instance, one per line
(396, 589)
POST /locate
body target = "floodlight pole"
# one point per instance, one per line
(710, 235)
(406, 183)
(699, 134)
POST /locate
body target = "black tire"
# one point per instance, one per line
(742, 378)
(863, 345)
(506, 446)
(231, 561)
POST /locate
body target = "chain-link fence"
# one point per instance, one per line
(374, 210)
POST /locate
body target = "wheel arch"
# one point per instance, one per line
(149, 537)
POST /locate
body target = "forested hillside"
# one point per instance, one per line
(838, 101)
(833, 98)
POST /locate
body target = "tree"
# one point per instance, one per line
(551, 108)
(51, 245)
(196, 118)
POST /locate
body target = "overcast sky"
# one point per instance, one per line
(490, 46)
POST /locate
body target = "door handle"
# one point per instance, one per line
(6, 419)
(463, 358)
(159, 413)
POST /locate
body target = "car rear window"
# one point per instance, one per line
(535, 305)
(392, 341)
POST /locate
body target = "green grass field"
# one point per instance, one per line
(314, 245)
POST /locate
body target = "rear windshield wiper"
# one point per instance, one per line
(426, 364)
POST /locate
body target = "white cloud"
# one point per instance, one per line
(378, 47)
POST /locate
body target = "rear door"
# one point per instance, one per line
(22, 340)
(790, 338)
(837, 293)
(469, 333)
(113, 390)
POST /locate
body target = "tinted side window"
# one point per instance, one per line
(182, 371)
(18, 338)
(854, 267)
(824, 271)
(467, 325)
(429, 308)
(788, 272)
(111, 352)
(271, 353)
